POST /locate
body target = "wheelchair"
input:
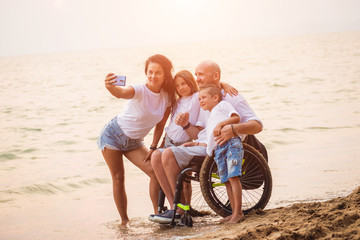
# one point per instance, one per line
(256, 183)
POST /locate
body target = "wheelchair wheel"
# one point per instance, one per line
(256, 183)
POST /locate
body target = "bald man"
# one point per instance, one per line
(208, 72)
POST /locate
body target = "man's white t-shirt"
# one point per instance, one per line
(222, 111)
(240, 105)
(188, 104)
(143, 112)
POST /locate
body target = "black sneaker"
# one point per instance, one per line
(166, 217)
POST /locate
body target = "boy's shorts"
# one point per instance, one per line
(228, 158)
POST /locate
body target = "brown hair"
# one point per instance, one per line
(169, 84)
(189, 79)
(213, 90)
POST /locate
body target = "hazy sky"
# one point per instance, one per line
(43, 26)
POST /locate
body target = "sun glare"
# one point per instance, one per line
(59, 4)
(188, 4)
(189, 12)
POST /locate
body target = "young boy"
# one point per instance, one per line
(228, 156)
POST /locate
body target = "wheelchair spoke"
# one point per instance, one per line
(251, 197)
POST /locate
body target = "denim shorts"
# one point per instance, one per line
(228, 158)
(112, 137)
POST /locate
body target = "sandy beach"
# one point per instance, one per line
(338, 218)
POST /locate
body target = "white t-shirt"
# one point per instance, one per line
(201, 138)
(188, 104)
(242, 107)
(143, 112)
(222, 111)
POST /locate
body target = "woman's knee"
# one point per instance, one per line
(119, 179)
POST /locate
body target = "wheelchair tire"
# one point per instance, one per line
(256, 183)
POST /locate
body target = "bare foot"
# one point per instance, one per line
(124, 223)
(225, 219)
(236, 219)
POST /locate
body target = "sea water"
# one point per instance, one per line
(54, 183)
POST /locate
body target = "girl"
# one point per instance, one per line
(149, 106)
(187, 103)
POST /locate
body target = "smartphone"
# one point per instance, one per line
(120, 80)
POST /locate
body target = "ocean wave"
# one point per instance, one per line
(288, 130)
(53, 188)
(15, 154)
(8, 156)
(32, 129)
(329, 128)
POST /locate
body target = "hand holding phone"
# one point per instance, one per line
(120, 80)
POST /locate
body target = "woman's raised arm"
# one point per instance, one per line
(118, 91)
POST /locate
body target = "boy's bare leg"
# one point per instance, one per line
(236, 188)
(231, 199)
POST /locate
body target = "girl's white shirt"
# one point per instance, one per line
(143, 112)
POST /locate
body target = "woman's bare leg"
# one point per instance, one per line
(114, 160)
(137, 157)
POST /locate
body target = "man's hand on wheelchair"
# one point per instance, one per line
(226, 134)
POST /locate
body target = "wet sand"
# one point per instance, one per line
(338, 218)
